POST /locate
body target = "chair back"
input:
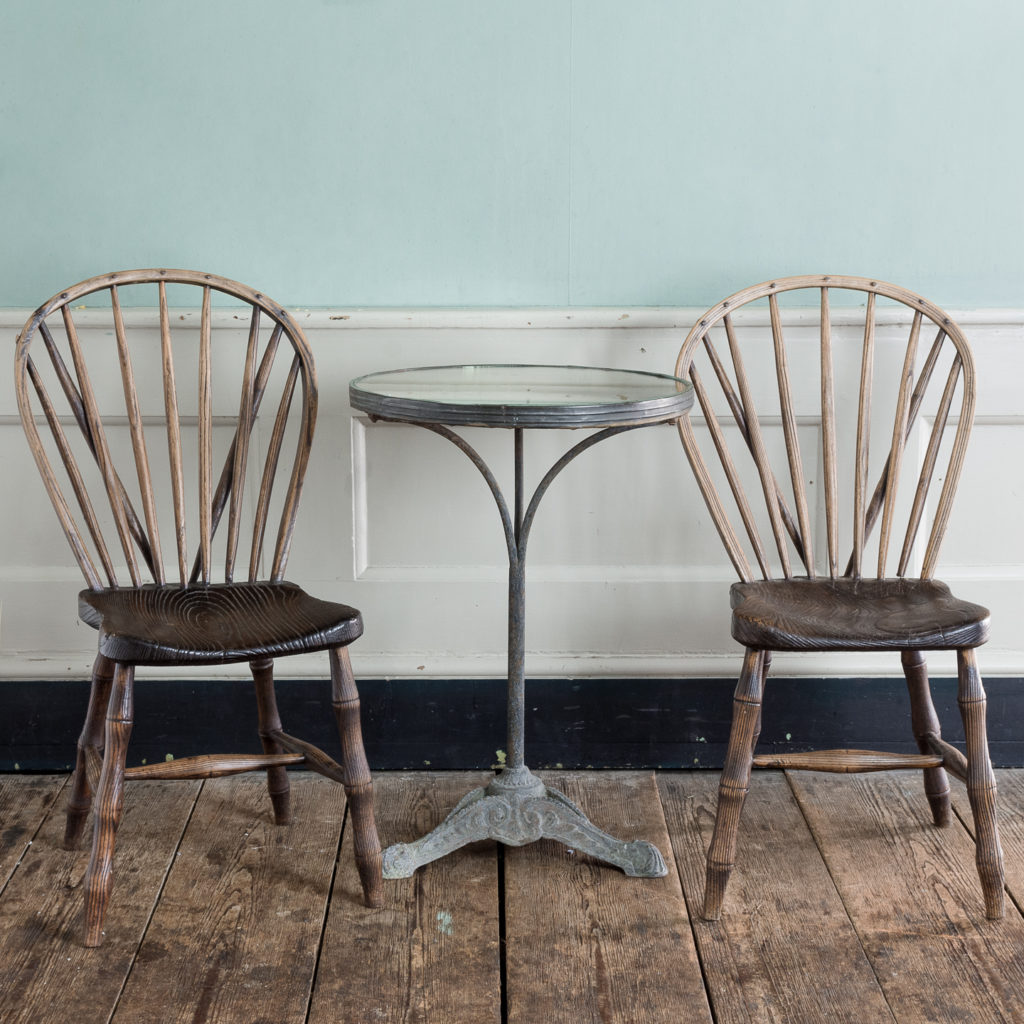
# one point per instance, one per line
(129, 453)
(936, 372)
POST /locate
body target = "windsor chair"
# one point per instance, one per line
(182, 613)
(807, 599)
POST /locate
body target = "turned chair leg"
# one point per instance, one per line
(109, 801)
(270, 721)
(981, 783)
(925, 723)
(356, 770)
(735, 782)
(90, 743)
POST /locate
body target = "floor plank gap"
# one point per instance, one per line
(327, 912)
(846, 904)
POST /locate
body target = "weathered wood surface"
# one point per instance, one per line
(431, 953)
(134, 540)
(911, 394)
(46, 975)
(849, 614)
(237, 931)
(229, 622)
(784, 950)
(871, 915)
(911, 891)
(584, 942)
(25, 801)
(1010, 805)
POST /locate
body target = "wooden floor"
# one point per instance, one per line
(846, 905)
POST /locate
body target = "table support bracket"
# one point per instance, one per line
(516, 809)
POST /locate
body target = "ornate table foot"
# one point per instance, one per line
(516, 809)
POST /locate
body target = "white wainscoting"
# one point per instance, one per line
(626, 575)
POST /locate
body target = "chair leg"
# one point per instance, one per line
(109, 801)
(269, 720)
(925, 722)
(89, 742)
(981, 783)
(735, 782)
(358, 784)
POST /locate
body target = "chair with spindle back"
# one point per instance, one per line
(804, 603)
(179, 614)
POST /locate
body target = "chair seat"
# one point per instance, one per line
(846, 614)
(160, 625)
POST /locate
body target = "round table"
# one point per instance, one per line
(516, 808)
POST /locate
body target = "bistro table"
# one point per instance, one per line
(516, 808)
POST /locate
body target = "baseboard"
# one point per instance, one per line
(460, 724)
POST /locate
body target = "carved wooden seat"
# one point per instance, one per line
(807, 599)
(215, 624)
(102, 436)
(852, 614)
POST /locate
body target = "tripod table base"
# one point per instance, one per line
(516, 808)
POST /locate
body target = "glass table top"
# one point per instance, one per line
(521, 396)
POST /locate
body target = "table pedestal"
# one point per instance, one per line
(516, 808)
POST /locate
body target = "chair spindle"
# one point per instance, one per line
(899, 437)
(789, 429)
(205, 441)
(131, 401)
(828, 436)
(241, 445)
(928, 466)
(867, 368)
(110, 479)
(758, 451)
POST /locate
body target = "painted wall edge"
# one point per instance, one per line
(459, 724)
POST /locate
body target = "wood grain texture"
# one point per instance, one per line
(212, 766)
(1011, 825)
(108, 804)
(786, 952)
(911, 891)
(221, 623)
(843, 762)
(430, 953)
(269, 721)
(356, 777)
(25, 801)
(981, 782)
(925, 725)
(89, 753)
(735, 780)
(907, 404)
(247, 949)
(584, 943)
(134, 538)
(859, 615)
(46, 975)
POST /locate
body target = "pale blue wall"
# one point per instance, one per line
(535, 152)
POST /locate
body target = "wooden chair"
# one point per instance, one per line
(808, 601)
(177, 614)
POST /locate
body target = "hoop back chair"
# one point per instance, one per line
(184, 612)
(798, 595)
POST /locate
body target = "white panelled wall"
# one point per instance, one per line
(626, 575)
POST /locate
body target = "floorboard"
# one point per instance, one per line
(25, 802)
(585, 943)
(846, 905)
(46, 975)
(912, 893)
(784, 949)
(1010, 811)
(237, 931)
(431, 954)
